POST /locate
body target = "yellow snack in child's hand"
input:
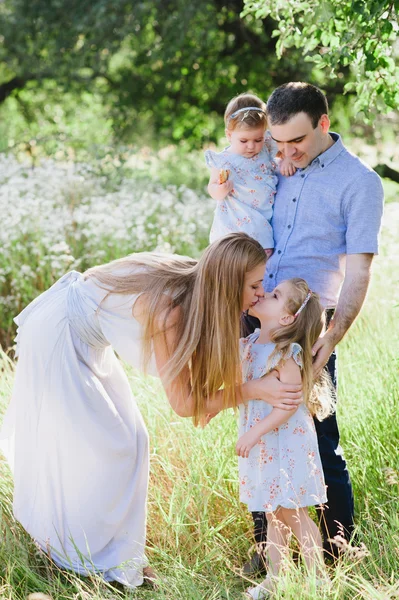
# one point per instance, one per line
(223, 175)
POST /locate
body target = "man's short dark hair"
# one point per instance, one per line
(295, 97)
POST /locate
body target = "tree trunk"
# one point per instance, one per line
(385, 171)
(14, 84)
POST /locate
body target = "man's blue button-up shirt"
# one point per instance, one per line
(330, 209)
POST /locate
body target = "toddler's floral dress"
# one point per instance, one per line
(249, 206)
(284, 467)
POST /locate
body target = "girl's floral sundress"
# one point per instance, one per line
(284, 468)
(249, 207)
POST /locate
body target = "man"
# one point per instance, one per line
(326, 223)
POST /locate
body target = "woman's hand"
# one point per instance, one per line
(269, 388)
(246, 443)
(205, 419)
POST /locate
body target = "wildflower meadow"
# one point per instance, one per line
(61, 216)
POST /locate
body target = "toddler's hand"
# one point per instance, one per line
(246, 443)
(226, 187)
(286, 167)
(220, 185)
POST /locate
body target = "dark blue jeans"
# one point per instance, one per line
(337, 515)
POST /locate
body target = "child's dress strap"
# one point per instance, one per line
(294, 351)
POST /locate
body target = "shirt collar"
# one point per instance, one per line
(325, 158)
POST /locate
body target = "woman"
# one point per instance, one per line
(73, 433)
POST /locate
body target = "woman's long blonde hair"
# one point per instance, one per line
(209, 293)
(305, 330)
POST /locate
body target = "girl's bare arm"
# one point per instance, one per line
(288, 373)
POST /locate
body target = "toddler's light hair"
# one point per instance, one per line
(250, 119)
(305, 330)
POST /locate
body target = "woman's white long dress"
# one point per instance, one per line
(73, 433)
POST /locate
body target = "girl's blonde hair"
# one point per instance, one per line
(209, 293)
(305, 330)
(250, 119)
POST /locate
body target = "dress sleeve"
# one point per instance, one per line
(250, 339)
(242, 345)
(295, 352)
(270, 145)
(363, 207)
(212, 159)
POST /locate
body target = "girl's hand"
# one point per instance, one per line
(269, 388)
(246, 443)
(287, 167)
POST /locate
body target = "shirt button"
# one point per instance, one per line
(322, 166)
(278, 251)
(271, 276)
(289, 226)
(302, 176)
(294, 199)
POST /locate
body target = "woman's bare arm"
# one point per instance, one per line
(270, 388)
(281, 395)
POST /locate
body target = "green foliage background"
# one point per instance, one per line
(88, 73)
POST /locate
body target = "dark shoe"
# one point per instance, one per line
(150, 577)
(256, 565)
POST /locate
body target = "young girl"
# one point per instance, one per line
(243, 176)
(279, 465)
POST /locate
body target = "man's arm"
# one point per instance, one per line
(353, 293)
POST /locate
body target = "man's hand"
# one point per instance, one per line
(322, 351)
(269, 388)
(351, 298)
(246, 443)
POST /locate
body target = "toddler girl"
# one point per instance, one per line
(243, 176)
(279, 465)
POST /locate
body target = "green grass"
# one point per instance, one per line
(198, 533)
